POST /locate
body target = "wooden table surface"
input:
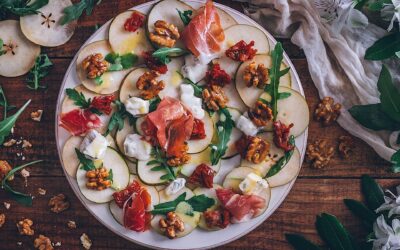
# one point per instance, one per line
(315, 191)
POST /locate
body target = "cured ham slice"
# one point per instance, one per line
(179, 132)
(204, 34)
(79, 121)
(240, 206)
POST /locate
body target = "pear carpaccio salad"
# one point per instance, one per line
(163, 101)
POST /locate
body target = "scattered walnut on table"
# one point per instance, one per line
(171, 224)
(261, 114)
(7, 205)
(85, 241)
(26, 144)
(95, 65)
(37, 115)
(319, 153)
(41, 191)
(5, 168)
(345, 146)
(98, 179)
(165, 34)
(24, 227)
(42, 243)
(2, 219)
(10, 143)
(327, 111)
(59, 203)
(256, 75)
(149, 86)
(71, 224)
(253, 148)
(214, 97)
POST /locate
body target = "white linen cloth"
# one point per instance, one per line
(334, 38)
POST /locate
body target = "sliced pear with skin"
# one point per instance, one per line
(190, 223)
(210, 193)
(69, 105)
(196, 146)
(288, 172)
(120, 136)
(250, 95)
(196, 160)
(45, 28)
(293, 109)
(128, 87)
(235, 135)
(138, 125)
(69, 157)
(111, 80)
(149, 177)
(20, 53)
(247, 33)
(123, 41)
(226, 19)
(164, 197)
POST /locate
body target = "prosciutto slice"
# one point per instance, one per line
(204, 34)
(240, 206)
(79, 121)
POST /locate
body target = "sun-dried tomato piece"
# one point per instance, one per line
(103, 103)
(217, 76)
(241, 51)
(122, 196)
(134, 22)
(281, 136)
(217, 218)
(203, 175)
(153, 63)
(149, 132)
(198, 131)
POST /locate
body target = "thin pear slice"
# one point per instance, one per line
(288, 172)
(69, 158)
(45, 28)
(20, 53)
(123, 41)
(250, 95)
(111, 80)
(190, 222)
(196, 160)
(225, 19)
(196, 146)
(164, 197)
(247, 33)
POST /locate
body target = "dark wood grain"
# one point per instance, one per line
(315, 191)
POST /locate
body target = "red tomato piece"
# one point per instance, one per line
(241, 51)
(217, 76)
(103, 103)
(203, 175)
(154, 64)
(198, 131)
(281, 135)
(134, 22)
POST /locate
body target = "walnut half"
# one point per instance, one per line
(171, 224)
(165, 34)
(253, 148)
(256, 75)
(261, 114)
(24, 227)
(42, 243)
(58, 203)
(345, 146)
(95, 65)
(327, 111)
(214, 97)
(319, 153)
(148, 85)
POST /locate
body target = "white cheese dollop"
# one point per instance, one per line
(245, 125)
(137, 106)
(94, 145)
(254, 184)
(175, 186)
(194, 69)
(135, 147)
(191, 101)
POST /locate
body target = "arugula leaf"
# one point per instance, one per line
(333, 233)
(118, 117)
(24, 199)
(384, 48)
(8, 123)
(169, 206)
(2, 52)
(281, 163)
(21, 7)
(373, 193)
(119, 62)
(284, 95)
(73, 12)
(110, 176)
(98, 80)
(201, 203)
(160, 161)
(198, 90)
(298, 242)
(224, 127)
(86, 163)
(154, 103)
(372, 116)
(395, 159)
(360, 210)
(163, 54)
(390, 96)
(78, 98)
(38, 71)
(275, 74)
(4, 103)
(185, 16)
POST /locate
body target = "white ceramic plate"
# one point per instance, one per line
(198, 239)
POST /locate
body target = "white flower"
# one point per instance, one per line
(391, 12)
(386, 237)
(392, 203)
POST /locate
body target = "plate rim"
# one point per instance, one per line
(279, 202)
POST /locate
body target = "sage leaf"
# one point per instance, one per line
(73, 12)
(373, 193)
(384, 48)
(395, 159)
(390, 96)
(360, 210)
(298, 242)
(8, 123)
(372, 117)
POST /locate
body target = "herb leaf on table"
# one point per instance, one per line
(390, 96)
(224, 130)
(38, 71)
(395, 159)
(300, 243)
(160, 162)
(73, 12)
(22, 7)
(384, 48)
(373, 117)
(24, 199)
(372, 191)
(360, 210)
(8, 123)
(4, 103)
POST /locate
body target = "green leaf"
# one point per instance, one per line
(372, 116)
(224, 129)
(384, 48)
(377, 5)
(282, 161)
(333, 233)
(86, 164)
(161, 159)
(117, 119)
(360, 210)
(185, 16)
(119, 62)
(169, 206)
(98, 80)
(21, 198)
(153, 103)
(110, 176)
(201, 203)
(8, 123)
(78, 98)
(2, 52)
(298, 242)
(22, 7)
(395, 159)
(4, 103)
(73, 12)
(373, 193)
(390, 96)
(284, 95)
(128, 60)
(198, 90)
(39, 70)
(359, 4)
(163, 54)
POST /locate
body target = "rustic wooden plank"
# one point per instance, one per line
(296, 215)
